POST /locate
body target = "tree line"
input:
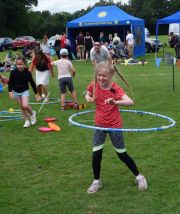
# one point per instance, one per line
(18, 18)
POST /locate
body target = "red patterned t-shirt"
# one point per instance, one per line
(106, 115)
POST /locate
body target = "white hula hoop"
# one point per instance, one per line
(172, 122)
(8, 116)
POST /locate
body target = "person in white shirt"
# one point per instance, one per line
(130, 43)
(65, 73)
(45, 46)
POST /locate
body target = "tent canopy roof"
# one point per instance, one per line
(174, 18)
(105, 16)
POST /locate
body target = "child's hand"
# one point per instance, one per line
(89, 98)
(11, 95)
(110, 101)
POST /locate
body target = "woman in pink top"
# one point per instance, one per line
(108, 96)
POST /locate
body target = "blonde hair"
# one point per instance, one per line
(99, 66)
(112, 69)
(104, 65)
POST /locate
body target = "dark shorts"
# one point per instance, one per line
(66, 82)
(88, 48)
(116, 139)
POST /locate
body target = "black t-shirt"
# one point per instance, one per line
(80, 40)
(19, 81)
(88, 41)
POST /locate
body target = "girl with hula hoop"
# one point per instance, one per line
(18, 88)
(108, 96)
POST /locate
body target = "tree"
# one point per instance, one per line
(14, 16)
(150, 11)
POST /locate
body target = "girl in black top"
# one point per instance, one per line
(18, 87)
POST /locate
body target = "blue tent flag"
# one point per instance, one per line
(158, 62)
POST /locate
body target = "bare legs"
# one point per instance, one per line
(25, 107)
(42, 89)
(63, 98)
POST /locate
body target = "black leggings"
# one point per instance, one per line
(96, 163)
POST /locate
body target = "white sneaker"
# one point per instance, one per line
(43, 96)
(27, 124)
(141, 182)
(33, 119)
(95, 186)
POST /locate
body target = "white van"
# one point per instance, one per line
(175, 28)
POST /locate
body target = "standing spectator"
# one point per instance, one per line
(80, 46)
(130, 43)
(45, 46)
(68, 47)
(42, 63)
(63, 40)
(99, 53)
(65, 73)
(174, 42)
(57, 45)
(110, 40)
(88, 44)
(116, 38)
(102, 38)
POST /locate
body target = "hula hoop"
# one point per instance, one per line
(54, 100)
(172, 122)
(17, 115)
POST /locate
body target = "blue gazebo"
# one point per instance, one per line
(109, 19)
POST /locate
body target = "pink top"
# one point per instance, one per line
(106, 115)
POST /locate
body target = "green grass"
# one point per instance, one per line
(50, 173)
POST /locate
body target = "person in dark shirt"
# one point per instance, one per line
(57, 45)
(88, 41)
(174, 42)
(80, 46)
(41, 62)
(18, 87)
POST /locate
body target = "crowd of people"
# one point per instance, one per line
(114, 45)
(84, 42)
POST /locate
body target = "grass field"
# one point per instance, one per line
(50, 173)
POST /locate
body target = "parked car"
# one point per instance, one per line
(25, 41)
(6, 43)
(151, 43)
(51, 41)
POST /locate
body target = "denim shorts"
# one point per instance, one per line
(21, 94)
(116, 139)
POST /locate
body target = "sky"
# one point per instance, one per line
(66, 5)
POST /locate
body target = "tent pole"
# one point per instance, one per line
(173, 72)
